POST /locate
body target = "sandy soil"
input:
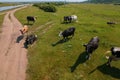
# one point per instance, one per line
(13, 55)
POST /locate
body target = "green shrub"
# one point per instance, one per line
(46, 7)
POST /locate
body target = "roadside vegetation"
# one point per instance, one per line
(48, 62)
(47, 7)
(1, 20)
(7, 4)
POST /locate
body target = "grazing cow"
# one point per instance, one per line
(31, 18)
(30, 39)
(70, 18)
(68, 32)
(110, 22)
(115, 55)
(91, 46)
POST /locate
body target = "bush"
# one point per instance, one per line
(46, 7)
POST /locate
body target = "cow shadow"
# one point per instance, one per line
(111, 25)
(19, 38)
(61, 41)
(66, 22)
(107, 70)
(81, 59)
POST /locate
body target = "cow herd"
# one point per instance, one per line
(90, 47)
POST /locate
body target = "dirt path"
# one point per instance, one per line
(13, 57)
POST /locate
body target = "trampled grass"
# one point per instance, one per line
(51, 60)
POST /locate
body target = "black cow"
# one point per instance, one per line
(30, 39)
(110, 22)
(67, 19)
(91, 46)
(115, 55)
(68, 32)
(31, 18)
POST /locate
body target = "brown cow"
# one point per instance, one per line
(24, 29)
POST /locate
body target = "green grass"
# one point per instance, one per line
(1, 21)
(48, 62)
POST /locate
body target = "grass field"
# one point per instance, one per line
(48, 62)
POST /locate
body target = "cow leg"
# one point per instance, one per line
(28, 22)
(21, 31)
(69, 21)
(88, 56)
(109, 61)
(64, 38)
(26, 44)
(33, 22)
(72, 34)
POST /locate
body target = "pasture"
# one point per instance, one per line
(51, 59)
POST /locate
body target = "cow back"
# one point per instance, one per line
(92, 44)
(30, 39)
(68, 32)
(74, 17)
(30, 18)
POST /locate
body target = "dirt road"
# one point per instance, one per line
(13, 55)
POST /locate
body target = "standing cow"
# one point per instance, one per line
(115, 55)
(31, 18)
(69, 19)
(91, 46)
(68, 32)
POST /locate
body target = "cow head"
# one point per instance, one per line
(60, 34)
(35, 18)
